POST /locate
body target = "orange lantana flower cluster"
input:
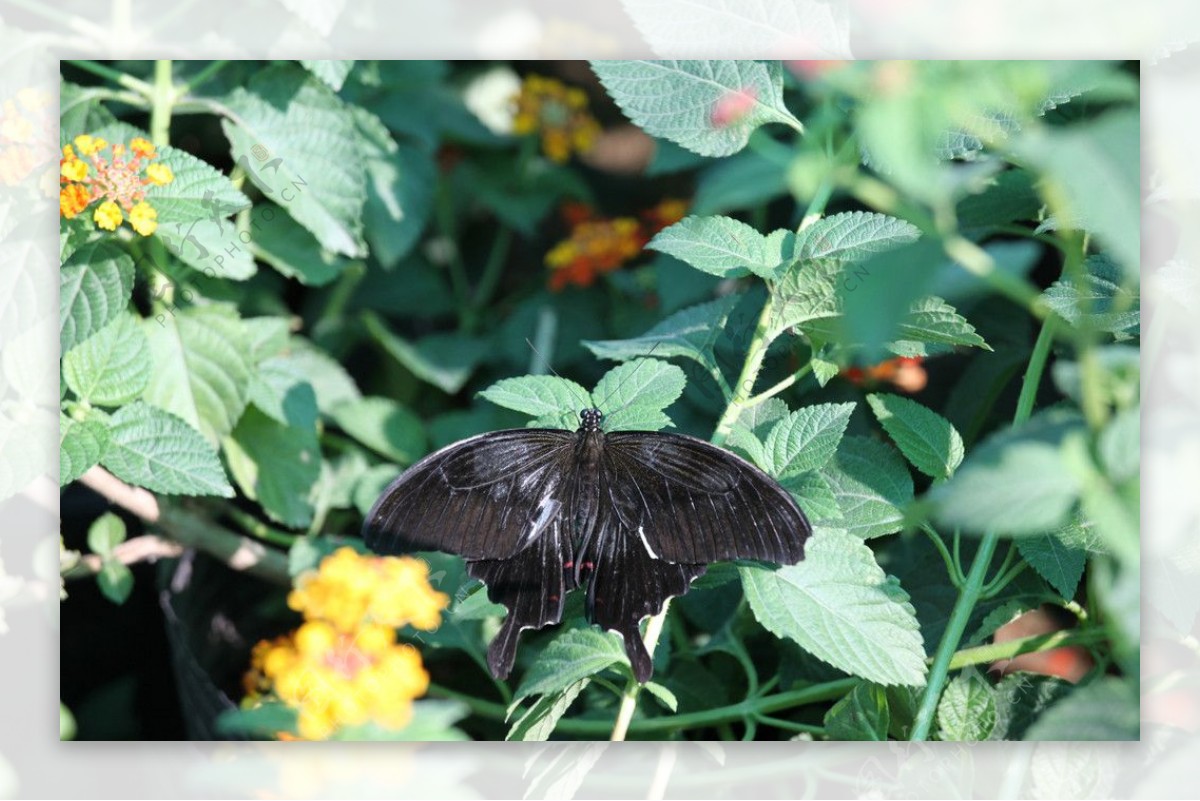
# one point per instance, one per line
(602, 244)
(558, 113)
(344, 667)
(117, 182)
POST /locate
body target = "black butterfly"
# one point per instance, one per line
(537, 512)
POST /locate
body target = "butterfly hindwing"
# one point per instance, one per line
(696, 503)
(487, 497)
(532, 584)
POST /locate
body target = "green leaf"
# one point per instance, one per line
(538, 722)
(1009, 197)
(444, 360)
(573, 655)
(105, 533)
(93, 289)
(270, 385)
(115, 581)
(112, 367)
(1097, 167)
(277, 463)
(1119, 447)
(723, 246)
(157, 450)
(710, 107)
(432, 721)
(852, 236)
(807, 291)
(926, 439)
(400, 189)
(201, 367)
(840, 607)
(476, 606)
(752, 427)
(806, 439)
(1106, 709)
(296, 141)
(967, 709)
(662, 695)
(81, 445)
(872, 486)
(861, 714)
(332, 72)
(1022, 699)
(294, 252)
(541, 396)
(1110, 306)
(630, 393)
(329, 380)
(933, 320)
(744, 181)
(815, 496)
(372, 484)
(385, 426)
(1060, 557)
(1015, 482)
(690, 333)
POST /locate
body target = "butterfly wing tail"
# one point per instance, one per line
(533, 585)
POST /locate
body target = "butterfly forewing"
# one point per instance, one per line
(697, 503)
(487, 497)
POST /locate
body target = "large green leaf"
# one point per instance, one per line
(293, 251)
(276, 463)
(445, 360)
(81, 444)
(112, 367)
(852, 236)
(872, 486)
(329, 379)
(157, 450)
(573, 655)
(631, 392)
(332, 72)
(94, 288)
(296, 141)
(400, 190)
(1016, 482)
(723, 246)
(841, 608)
(710, 107)
(201, 367)
(385, 426)
(542, 396)
(806, 439)
(926, 439)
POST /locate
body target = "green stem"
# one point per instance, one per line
(780, 387)
(1011, 649)
(164, 99)
(745, 382)
(203, 75)
(972, 590)
(258, 529)
(952, 568)
(116, 76)
(633, 687)
(493, 269)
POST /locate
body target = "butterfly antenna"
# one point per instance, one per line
(632, 373)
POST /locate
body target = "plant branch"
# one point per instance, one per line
(116, 76)
(164, 100)
(146, 548)
(190, 530)
(973, 588)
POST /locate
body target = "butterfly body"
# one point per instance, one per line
(635, 516)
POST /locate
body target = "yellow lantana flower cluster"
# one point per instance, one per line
(343, 666)
(117, 182)
(558, 113)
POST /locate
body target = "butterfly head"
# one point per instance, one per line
(590, 419)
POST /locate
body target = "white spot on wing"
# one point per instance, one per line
(642, 536)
